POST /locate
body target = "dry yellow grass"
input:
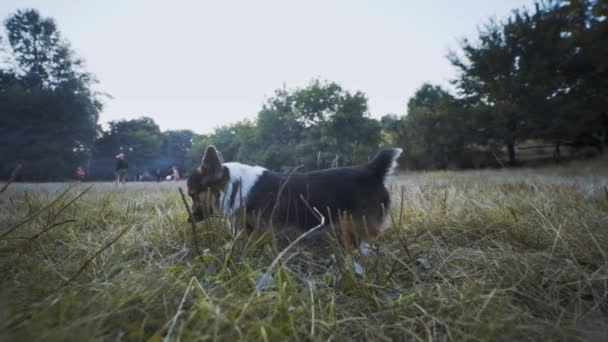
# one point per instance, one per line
(477, 255)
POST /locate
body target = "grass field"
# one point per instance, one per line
(477, 255)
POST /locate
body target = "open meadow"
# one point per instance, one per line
(467, 255)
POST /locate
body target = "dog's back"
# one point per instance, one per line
(356, 194)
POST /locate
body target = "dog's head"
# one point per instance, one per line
(206, 183)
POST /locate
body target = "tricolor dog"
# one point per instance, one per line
(253, 197)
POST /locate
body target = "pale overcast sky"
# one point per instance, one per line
(201, 64)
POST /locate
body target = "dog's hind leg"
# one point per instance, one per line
(368, 235)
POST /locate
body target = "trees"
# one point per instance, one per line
(597, 45)
(195, 154)
(140, 139)
(48, 108)
(316, 126)
(174, 148)
(540, 74)
(355, 135)
(281, 138)
(42, 58)
(546, 43)
(237, 142)
(434, 132)
(389, 124)
(311, 127)
(585, 68)
(279, 129)
(488, 76)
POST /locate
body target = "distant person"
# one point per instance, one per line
(175, 174)
(80, 173)
(121, 169)
(158, 175)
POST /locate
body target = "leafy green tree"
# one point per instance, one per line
(316, 103)
(597, 45)
(279, 129)
(48, 109)
(315, 127)
(175, 146)
(236, 142)
(543, 42)
(195, 153)
(249, 146)
(434, 132)
(488, 75)
(390, 125)
(585, 67)
(355, 135)
(540, 74)
(231, 140)
(140, 139)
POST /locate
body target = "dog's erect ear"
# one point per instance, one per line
(212, 163)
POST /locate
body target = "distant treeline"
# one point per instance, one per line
(539, 77)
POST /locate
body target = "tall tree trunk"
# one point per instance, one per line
(445, 157)
(511, 136)
(511, 150)
(557, 155)
(604, 137)
(319, 160)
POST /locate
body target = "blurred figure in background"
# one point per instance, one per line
(121, 168)
(158, 176)
(80, 173)
(175, 173)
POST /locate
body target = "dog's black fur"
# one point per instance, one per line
(358, 191)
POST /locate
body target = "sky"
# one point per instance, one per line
(202, 64)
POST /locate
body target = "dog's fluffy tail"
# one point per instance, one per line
(385, 162)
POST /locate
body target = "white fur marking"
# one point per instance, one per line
(365, 248)
(248, 176)
(358, 269)
(394, 165)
